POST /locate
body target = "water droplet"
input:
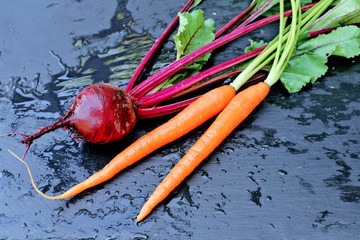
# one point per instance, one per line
(219, 208)
(282, 172)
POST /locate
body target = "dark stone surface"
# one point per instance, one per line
(290, 171)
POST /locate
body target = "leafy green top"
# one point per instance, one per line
(310, 58)
(343, 12)
(194, 32)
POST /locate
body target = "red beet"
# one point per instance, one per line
(100, 113)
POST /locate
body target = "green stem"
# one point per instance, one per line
(277, 68)
(266, 56)
(281, 33)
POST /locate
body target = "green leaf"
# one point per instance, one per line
(194, 32)
(310, 58)
(261, 3)
(344, 12)
(254, 45)
(196, 2)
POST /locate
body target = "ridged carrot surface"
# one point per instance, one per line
(236, 111)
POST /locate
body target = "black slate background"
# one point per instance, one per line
(290, 171)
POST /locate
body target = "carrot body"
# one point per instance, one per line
(236, 111)
(192, 116)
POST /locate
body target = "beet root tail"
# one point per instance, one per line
(13, 133)
(58, 124)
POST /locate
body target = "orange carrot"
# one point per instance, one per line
(236, 111)
(238, 108)
(191, 117)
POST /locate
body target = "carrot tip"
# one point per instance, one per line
(143, 213)
(139, 218)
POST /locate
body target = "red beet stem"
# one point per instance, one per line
(321, 31)
(58, 124)
(254, 79)
(143, 113)
(233, 21)
(160, 96)
(155, 48)
(254, 15)
(166, 72)
(206, 83)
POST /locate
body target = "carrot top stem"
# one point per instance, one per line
(279, 62)
(299, 26)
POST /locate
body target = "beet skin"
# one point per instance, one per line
(100, 113)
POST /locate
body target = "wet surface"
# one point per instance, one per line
(290, 171)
